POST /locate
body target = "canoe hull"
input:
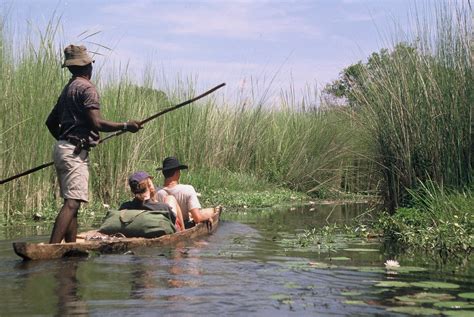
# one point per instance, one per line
(42, 251)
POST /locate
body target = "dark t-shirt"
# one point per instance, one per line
(148, 205)
(70, 111)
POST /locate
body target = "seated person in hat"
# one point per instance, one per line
(185, 195)
(142, 187)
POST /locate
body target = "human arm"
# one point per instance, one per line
(96, 121)
(176, 209)
(194, 206)
(200, 215)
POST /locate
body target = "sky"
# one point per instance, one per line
(247, 44)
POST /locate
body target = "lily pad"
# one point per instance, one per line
(392, 284)
(321, 265)
(380, 291)
(292, 285)
(371, 269)
(361, 250)
(424, 298)
(414, 310)
(351, 293)
(469, 295)
(454, 305)
(339, 258)
(355, 302)
(280, 297)
(408, 269)
(458, 313)
(430, 284)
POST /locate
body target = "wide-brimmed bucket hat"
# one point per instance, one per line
(76, 56)
(171, 163)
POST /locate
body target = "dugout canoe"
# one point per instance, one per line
(43, 251)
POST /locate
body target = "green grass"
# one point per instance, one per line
(416, 101)
(239, 146)
(439, 221)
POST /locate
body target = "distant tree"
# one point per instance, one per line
(353, 79)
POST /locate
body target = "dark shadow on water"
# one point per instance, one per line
(64, 285)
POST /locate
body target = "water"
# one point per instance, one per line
(249, 267)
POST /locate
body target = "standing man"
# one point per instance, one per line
(75, 122)
(185, 195)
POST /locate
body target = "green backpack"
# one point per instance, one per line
(137, 223)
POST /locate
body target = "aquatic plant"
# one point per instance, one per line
(390, 264)
(415, 99)
(440, 222)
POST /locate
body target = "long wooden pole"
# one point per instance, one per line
(156, 115)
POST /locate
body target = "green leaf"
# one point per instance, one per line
(392, 284)
(371, 269)
(292, 285)
(458, 313)
(339, 258)
(454, 305)
(355, 302)
(351, 293)
(408, 269)
(430, 284)
(424, 298)
(361, 250)
(469, 295)
(414, 310)
(280, 297)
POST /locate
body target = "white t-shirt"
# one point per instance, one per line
(185, 195)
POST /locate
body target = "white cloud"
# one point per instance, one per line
(232, 19)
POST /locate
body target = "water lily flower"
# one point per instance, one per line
(391, 264)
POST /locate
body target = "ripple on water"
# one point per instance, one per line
(240, 270)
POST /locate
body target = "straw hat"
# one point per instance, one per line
(76, 56)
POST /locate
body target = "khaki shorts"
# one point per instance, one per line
(72, 171)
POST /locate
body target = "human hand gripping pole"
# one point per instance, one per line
(114, 134)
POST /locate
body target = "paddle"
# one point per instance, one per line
(162, 112)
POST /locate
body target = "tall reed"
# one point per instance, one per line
(285, 143)
(417, 103)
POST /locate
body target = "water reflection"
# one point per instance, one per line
(300, 217)
(247, 267)
(69, 301)
(143, 281)
(54, 285)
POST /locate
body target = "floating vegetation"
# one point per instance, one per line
(351, 293)
(321, 265)
(408, 269)
(355, 302)
(414, 310)
(292, 285)
(430, 284)
(424, 298)
(370, 269)
(425, 284)
(339, 258)
(469, 295)
(392, 284)
(282, 298)
(458, 313)
(306, 266)
(454, 305)
(392, 264)
(361, 250)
